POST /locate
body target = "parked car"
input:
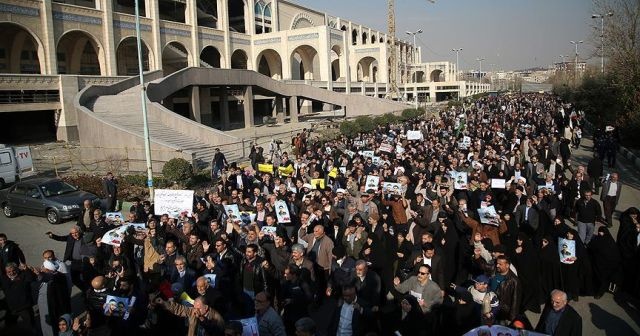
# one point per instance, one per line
(45, 197)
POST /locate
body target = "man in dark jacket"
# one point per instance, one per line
(110, 186)
(72, 253)
(16, 284)
(558, 318)
(349, 318)
(253, 276)
(94, 301)
(509, 291)
(10, 252)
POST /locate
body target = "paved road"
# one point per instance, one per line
(607, 316)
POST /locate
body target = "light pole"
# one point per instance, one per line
(576, 64)
(147, 142)
(419, 31)
(601, 17)
(480, 62)
(457, 51)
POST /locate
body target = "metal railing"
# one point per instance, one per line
(29, 96)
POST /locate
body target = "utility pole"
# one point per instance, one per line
(601, 17)
(457, 51)
(575, 75)
(480, 73)
(143, 98)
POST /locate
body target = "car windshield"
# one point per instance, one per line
(56, 188)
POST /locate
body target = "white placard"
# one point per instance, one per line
(386, 148)
(392, 188)
(489, 215)
(231, 211)
(376, 160)
(414, 135)
(498, 183)
(114, 217)
(567, 251)
(249, 326)
(351, 154)
(282, 212)
(173, 202)
(367, 154)
(459, 180)
(116, 236)
(372, 182)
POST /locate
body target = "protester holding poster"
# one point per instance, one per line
(282, 212)
(173, 202)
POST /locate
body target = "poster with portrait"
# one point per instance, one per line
(115, 306)
(367, 154)
(414, 135)
(231, 211)
(249, 326)
(247, 217)
(173, 202)
(498, 330)
(372, 183)
(567, 251)
(269, 230)
(115, 236)
(282, 212)
(489, 215)
(115, 218)
(358, 143)
(351, 154)
(376, 160)
(459, 180)
(392, 188)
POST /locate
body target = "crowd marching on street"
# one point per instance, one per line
(431, 226)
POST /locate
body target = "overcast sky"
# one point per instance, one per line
(509, 34)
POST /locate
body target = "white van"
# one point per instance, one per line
(15, 163)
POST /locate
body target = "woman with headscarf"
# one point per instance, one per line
(606, 261)
(526, 261)
(446, 238)
(65, 325)
(576, 276)
(550, 270)
(630, 250)
(403, 251)
(410, 320)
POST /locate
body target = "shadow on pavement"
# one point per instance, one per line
(630, 305)
(609, 323)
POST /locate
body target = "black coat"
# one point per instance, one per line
(11, 253)
(570, 323)
(18, 291)
(68, 249)
(359, 321)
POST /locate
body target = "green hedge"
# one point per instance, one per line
(368, 124)
(177, 170)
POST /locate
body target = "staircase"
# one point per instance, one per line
(128, 116)
(185, 56)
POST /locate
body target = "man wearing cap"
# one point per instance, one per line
(487, 299)
(558, 318)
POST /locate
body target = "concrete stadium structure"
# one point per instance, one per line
(279, 61)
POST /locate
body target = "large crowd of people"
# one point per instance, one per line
(431, 226)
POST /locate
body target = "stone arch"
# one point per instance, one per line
(270, 64)
(305, 63)
(80, 53)
(237, 15)
(239, 60)
(302, 20)
(175, 56)
(381, 39)
(343, 28)
(19, 41)
(373, 39)
(418, 77)
(364, 38)
(127, 57)
(211, 56)
(335, 54)
(354, 36)
(368, 70)
(437, 76)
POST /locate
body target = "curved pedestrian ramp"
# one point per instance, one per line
(110, 120)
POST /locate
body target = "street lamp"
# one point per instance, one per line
(601, 17)
(576, 67)
(480, 61)
(457, 51)
(419, 31)
(147, 142)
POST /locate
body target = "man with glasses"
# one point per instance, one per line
(426, 291)
(72, 254)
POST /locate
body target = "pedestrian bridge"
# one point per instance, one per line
(190, 111)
